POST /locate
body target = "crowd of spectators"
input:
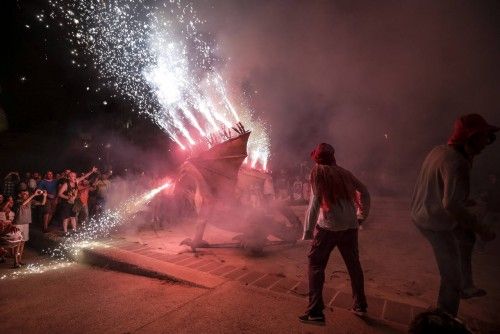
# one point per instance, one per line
(293, 185)
(53, 202)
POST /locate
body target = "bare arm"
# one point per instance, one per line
(63, 188)
(94, 169)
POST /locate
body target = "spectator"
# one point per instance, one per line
(37, 177)
(297, 190)
(268, 190)
(49, 184)
(82, 206)
(10, 184)
(68, 193)
(282, 186)
(10, 236)
(101, 186)
(23, 216)
(31, 182)
(306, 188)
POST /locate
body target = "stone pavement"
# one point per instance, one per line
(400, 282)
(393, 312)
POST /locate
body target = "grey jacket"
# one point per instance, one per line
(441, 191)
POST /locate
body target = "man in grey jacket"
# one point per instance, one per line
(439, 209)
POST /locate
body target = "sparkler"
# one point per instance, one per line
(154, 53)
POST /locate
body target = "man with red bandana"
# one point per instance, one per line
(333, 201)
(439, 210)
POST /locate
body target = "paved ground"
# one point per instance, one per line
(81, 299)
(400, 273)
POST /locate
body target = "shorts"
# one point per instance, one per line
(50, 206)
(66, 210)
(25, 231)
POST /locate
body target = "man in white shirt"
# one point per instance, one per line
(333, 201)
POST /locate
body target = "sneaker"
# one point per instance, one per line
(472, 292)
(318, 320)
(359, 311)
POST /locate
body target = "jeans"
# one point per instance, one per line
(323, 243)
(453, 253)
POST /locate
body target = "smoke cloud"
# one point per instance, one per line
(381, 81)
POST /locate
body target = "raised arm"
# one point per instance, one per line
(93, 170)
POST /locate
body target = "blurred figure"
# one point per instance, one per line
(297, 190)
(437, 322)
(268, 190)
(31, 182)
(23, 216)
(282, 186)
(101, 186)
(306, 188)
(82, 206)
(334, 201)
(68, 193)
(439, 210)
(10, 237)
(49, 185)
(10, 184)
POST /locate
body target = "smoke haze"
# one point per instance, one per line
(382, 81)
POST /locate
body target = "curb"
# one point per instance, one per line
(124, 261)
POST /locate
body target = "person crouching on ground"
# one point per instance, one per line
(333, 199)
(439, 211)
(23, 216)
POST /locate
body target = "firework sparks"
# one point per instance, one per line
(88, 236)
(153, 53)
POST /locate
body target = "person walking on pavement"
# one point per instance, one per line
(333, 201)
(439, 208)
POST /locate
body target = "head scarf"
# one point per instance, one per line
(469, 125)
(324, 154)
(330, 183)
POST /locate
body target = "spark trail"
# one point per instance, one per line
(154, 53)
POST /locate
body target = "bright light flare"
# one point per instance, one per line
(148, 196)
(153, 53)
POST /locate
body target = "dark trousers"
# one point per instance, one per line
(453, 253)
(323, 243)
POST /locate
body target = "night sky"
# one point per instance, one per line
(382, 81)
